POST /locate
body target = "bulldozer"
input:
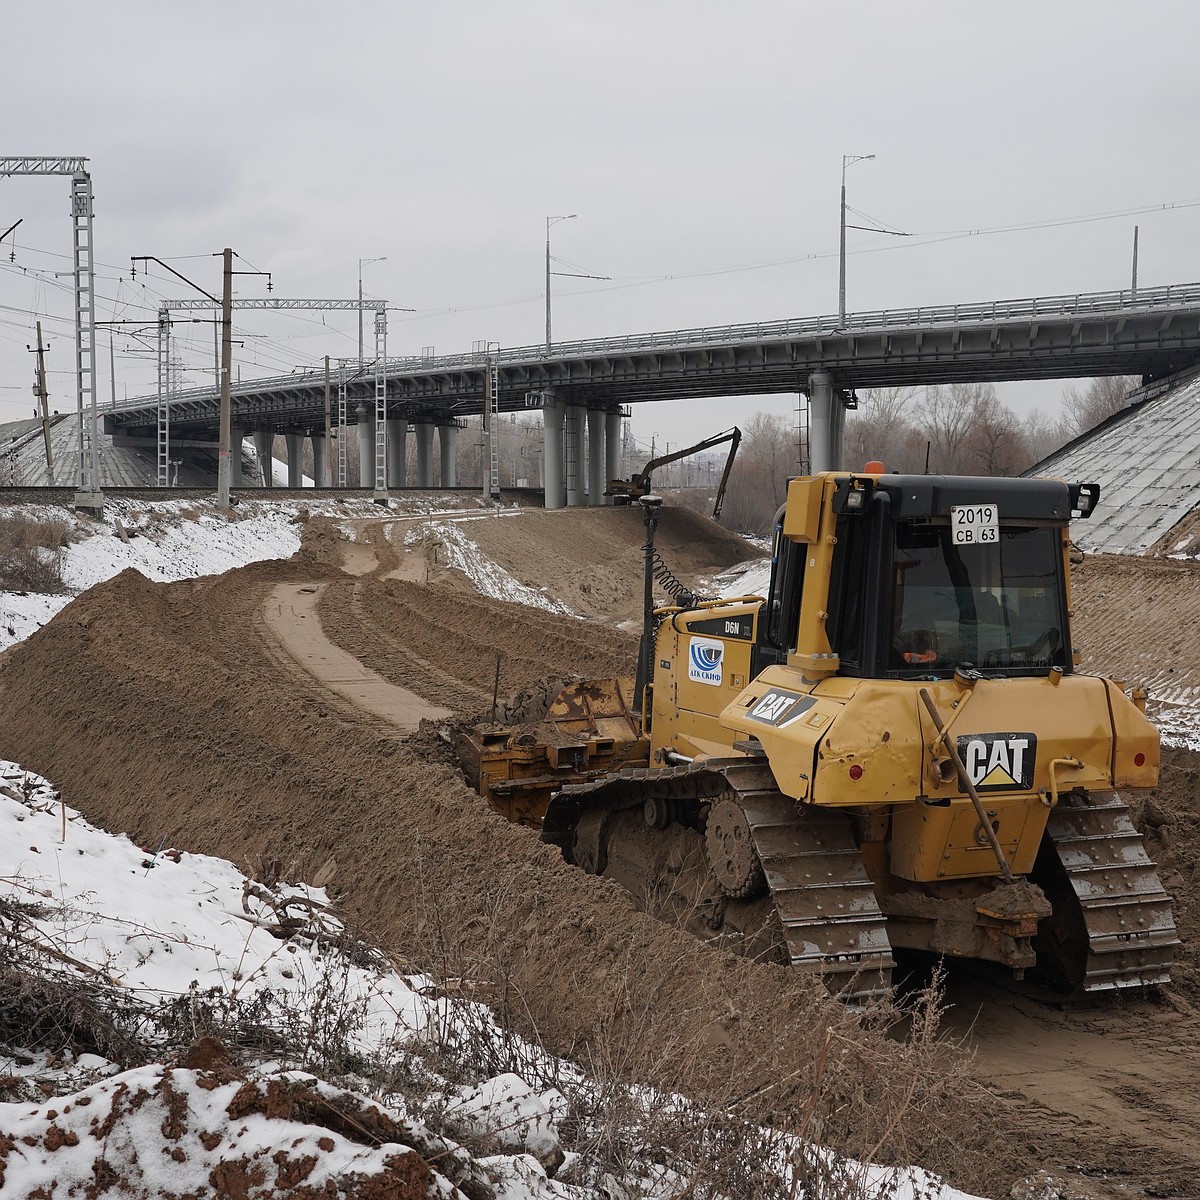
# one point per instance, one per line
(891, 750)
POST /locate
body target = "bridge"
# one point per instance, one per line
(1150, 332)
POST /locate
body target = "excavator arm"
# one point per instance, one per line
(627, 490)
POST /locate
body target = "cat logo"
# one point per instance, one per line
(999, 762)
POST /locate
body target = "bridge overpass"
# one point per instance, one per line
(1151, 333)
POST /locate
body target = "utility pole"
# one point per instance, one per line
(1135, 249)
(223, 462)
(43, 397)
(550, 221)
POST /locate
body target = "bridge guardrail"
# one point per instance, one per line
(876, 321)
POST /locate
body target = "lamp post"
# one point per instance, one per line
(551, 221)
(367, 262)
(847, 160)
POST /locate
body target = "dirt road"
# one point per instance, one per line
(163, 710)
(292, 627)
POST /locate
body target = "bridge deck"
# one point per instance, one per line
(1150, 333)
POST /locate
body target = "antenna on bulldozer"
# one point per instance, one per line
(650, 506)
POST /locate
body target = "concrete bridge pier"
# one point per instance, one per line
(397, 468)
(236, 436)
(295, 457)
(320, 460)
(576, 463)
(264, 439)
(826, 423)
(553, 474)
(447, 448)
(424, 432)
(595, 459)
(612, 449)
(366, 447)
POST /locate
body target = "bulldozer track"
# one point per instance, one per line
(323, 670)
(453, 660)
(824, 902)
(1131, 935)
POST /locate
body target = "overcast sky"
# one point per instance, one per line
(699, 142)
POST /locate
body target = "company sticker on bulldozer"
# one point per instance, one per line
(705, 659)
(999, 762)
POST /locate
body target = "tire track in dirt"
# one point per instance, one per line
(395, 626)
(288, 619)
(396, 659)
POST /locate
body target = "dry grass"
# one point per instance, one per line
(31, 553)
(882, 1086)
(859, 1097)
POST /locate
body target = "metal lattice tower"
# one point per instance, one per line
(164, 397)
(88, 461)
(85, 340)
(342, 426)
(570, 448)
(380, 404)
(491, 400)
(803, 455)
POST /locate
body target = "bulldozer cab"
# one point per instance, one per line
(916, 577)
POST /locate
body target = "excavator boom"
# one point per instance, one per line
(625, 491)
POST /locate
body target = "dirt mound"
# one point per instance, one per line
(1139, 619)
(1182, 538)
(159, 710)
(1169, 820)
(163, 710)
(591, 559)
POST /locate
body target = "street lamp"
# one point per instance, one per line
(551, 221)
(847, 160)
(367, 262)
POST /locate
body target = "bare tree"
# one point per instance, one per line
(1086, 407)
(879, 429)
(758, 482)
(944, 416)
(1043, 436)
(997, 443)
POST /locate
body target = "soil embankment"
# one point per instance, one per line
(163, 710)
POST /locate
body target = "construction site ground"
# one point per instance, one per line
(293, 708)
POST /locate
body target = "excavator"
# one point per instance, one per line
(891, 750)
(626, 491)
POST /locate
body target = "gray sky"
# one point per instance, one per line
(699, 142)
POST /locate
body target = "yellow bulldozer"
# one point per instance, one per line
(892, 750)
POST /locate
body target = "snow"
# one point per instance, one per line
(456, 549)
(747, 579)
(160, 926)
(167, 540)
(171, 540)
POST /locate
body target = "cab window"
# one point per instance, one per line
(996, 606)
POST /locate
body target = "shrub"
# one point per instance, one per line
(31, 553)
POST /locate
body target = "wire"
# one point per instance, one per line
(282, 351)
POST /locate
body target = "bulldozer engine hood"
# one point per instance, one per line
(846, 742)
